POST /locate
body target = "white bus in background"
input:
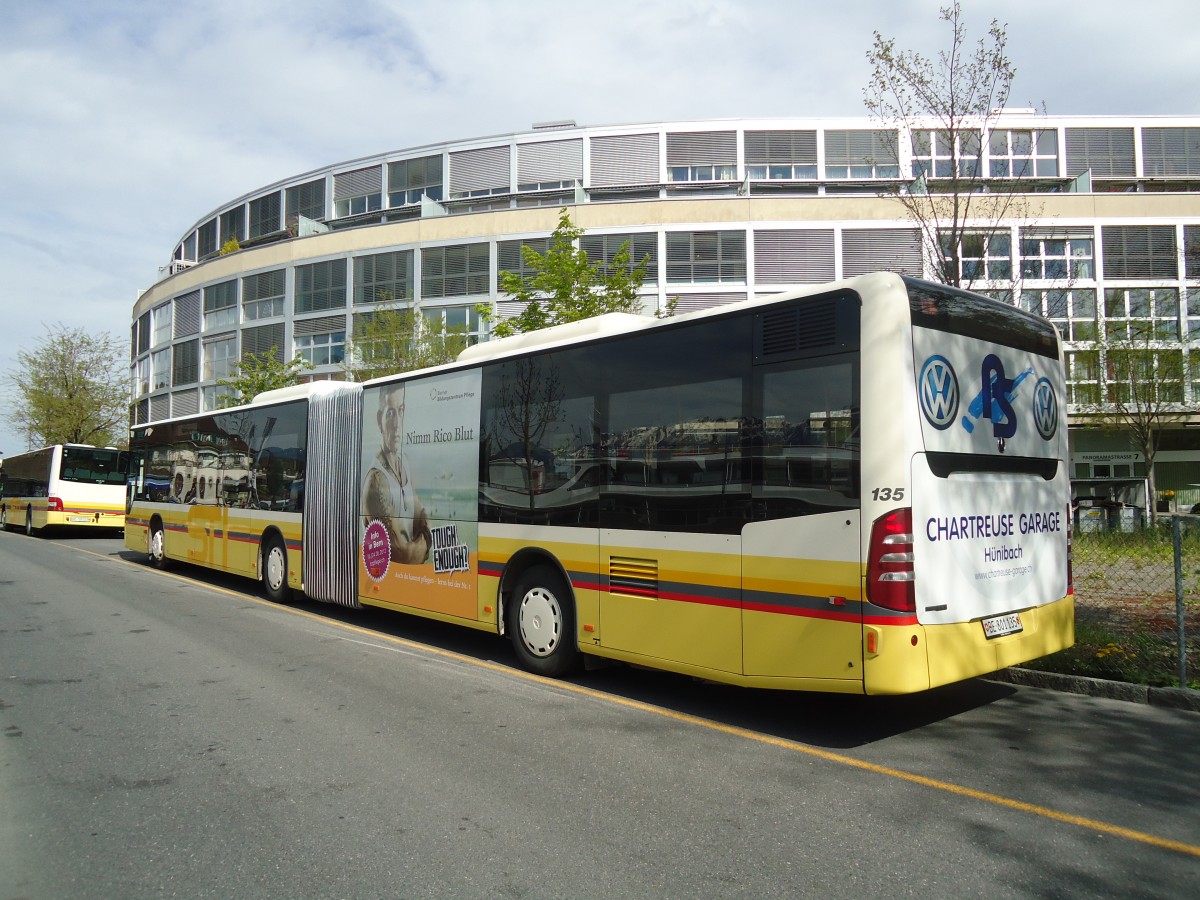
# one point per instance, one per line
(65, 484)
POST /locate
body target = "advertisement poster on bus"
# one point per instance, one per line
(990, 494)
(419, 534)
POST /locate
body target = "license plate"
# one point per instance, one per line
(79, 518)
(999, 626)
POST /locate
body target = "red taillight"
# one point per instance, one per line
(54, 504)
(890, 578)
(1070, 553)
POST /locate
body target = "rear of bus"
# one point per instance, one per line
(88, 488)
(968, 563)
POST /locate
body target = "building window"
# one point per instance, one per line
(1139, 315)
(321, 286)
(603, 248)
(411, 179)
(220, 306)
(510, 257)
(383, 277)
(702, 257)
(264, 215)
(358, 192)
(456, 271)
(935, 153)
(1191, 251)
(462, 320)
(161, 317)
(233, 225)
(1023, 153)
(262, 295)
(1083, 376)
(160, 369)
(1107, 152)
(1057, 255)
(1159, 374)
(1072, 310)
(781, 155)
(185, 363)
(306, 200)
(141, 376)
(549, 165)
(981, 257)
(207, 237)
(1171, 151)
(214, 396)
(861, 154)
(1139, 251)
(220, 357)
(702, 156)
(322, 349)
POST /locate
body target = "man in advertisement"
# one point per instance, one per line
(388, 492)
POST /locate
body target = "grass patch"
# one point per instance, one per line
(1100, 652)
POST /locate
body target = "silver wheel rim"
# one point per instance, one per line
(156, 544)
(539, 619)
(29, 523)
(276, 564)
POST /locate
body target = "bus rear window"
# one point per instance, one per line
(91, 465)
(972, 315)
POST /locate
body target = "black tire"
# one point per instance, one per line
(156, 546)
(273, 570)
(541, 622)
(30, 531)
(4, 518)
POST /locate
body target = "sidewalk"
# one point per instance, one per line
(1172, 698)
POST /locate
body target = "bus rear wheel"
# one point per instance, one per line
(30, 531)
(3, 518)
(273, 568)
(156, 546)
(542, 623)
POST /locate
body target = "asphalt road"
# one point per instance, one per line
(176, 735)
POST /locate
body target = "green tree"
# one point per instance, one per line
(73, 388)
(565, 286)
(388, 341)
(1144, 383)
(948, 105)
(258, 372)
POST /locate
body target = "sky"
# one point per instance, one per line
(123, 122)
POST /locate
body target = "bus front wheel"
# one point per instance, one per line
(542, 623)
(156, 546)
(3, 518)
(274, 570)
(29, 529)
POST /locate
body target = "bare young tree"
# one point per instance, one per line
(1144, 383)
(948, 106)
(73, 388)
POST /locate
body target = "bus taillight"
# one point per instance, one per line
(54, 504)
(890, 576)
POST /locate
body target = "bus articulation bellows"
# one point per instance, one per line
(859, 487)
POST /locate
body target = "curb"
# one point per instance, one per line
(1169, 698)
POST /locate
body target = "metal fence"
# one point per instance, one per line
(1137, 603)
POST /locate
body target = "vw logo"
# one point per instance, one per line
(937, 391)
(1045, 409)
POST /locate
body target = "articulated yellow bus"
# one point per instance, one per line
(860, 487)
(65, 484)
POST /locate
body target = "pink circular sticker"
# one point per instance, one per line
(376, 550)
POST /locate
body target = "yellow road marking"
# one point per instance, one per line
(734, 730)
